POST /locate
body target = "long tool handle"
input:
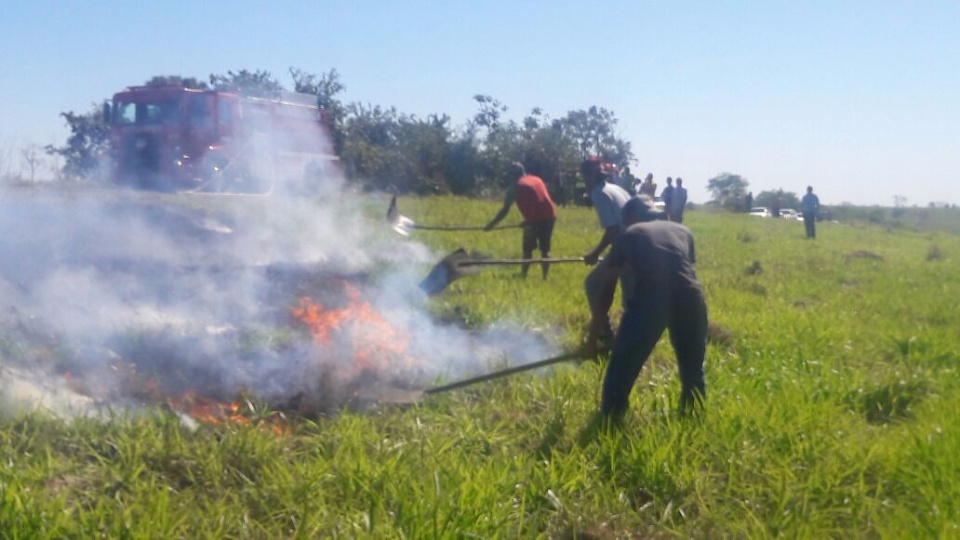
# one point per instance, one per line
(500, 262)
(503, 373)
(459, 228)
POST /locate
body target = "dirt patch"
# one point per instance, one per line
(719, 334)
(863, 254)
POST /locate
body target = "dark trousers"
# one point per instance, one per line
(537, 233)
(810, 222)
(642, 324)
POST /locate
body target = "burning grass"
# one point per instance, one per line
(808, 431)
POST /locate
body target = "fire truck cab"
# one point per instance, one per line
(175, 138)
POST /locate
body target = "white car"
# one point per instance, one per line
(789, 213)
(760, 211)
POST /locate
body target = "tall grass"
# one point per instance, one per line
(832, 412)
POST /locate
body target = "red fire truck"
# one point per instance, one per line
(175, 138)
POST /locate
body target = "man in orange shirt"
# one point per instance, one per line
(538, 210)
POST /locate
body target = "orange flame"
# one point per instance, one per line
(210, 411)
(375, 341)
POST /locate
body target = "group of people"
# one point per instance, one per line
(674, 198)
(651, 255)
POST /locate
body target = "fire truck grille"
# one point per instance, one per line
(141, 159)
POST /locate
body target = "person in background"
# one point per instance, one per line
(648, 187)
(667, 196)
(607, 199)
(538, 210)
(678, 202)
(629, 182)
(666, 294)
(622, 181)
(749, 202)
(810, 206)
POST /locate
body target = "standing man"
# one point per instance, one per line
(678, 202)
(667, 196)
(749, 202)
(648, 187)
(810, 206)
(538, 210)
(623, 181)
(629, 182)
(608, 199)
(666, 295)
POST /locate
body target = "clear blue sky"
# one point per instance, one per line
(857, 98)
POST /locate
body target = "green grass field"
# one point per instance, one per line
(832, 411)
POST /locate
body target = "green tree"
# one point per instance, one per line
(247, 83)
(86, 146)
(370, 135)
(551, 149)
(462, 165)
(326, 87)
(186, 82)
(423, 146)
(382, 148)
(594, 131)
(728, 189)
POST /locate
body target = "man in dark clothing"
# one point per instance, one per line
(538, 210)
(810, 206)
(665, 295)
(667, 195)
(678, 202)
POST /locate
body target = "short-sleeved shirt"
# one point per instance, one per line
(661, 257)
(532, 198)
(608, 199)
(809, 204)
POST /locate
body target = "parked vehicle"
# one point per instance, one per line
(789, 213)
(170, 137)
(760, 211)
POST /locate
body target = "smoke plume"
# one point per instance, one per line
(117, 298)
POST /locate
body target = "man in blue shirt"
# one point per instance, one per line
(608, 200)
(810, 206)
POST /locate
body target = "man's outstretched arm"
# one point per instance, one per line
(609, 234)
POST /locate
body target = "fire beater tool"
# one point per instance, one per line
(396, 396)
(404, 225)
(460, 263)
(576, 355)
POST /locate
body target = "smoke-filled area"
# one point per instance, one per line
(113, 299)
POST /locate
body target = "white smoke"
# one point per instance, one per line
(196, 289)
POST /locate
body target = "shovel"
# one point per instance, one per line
(404, 225)
(460, 263)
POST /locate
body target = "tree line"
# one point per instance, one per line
(382, 148)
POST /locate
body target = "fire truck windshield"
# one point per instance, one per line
(140, 112)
